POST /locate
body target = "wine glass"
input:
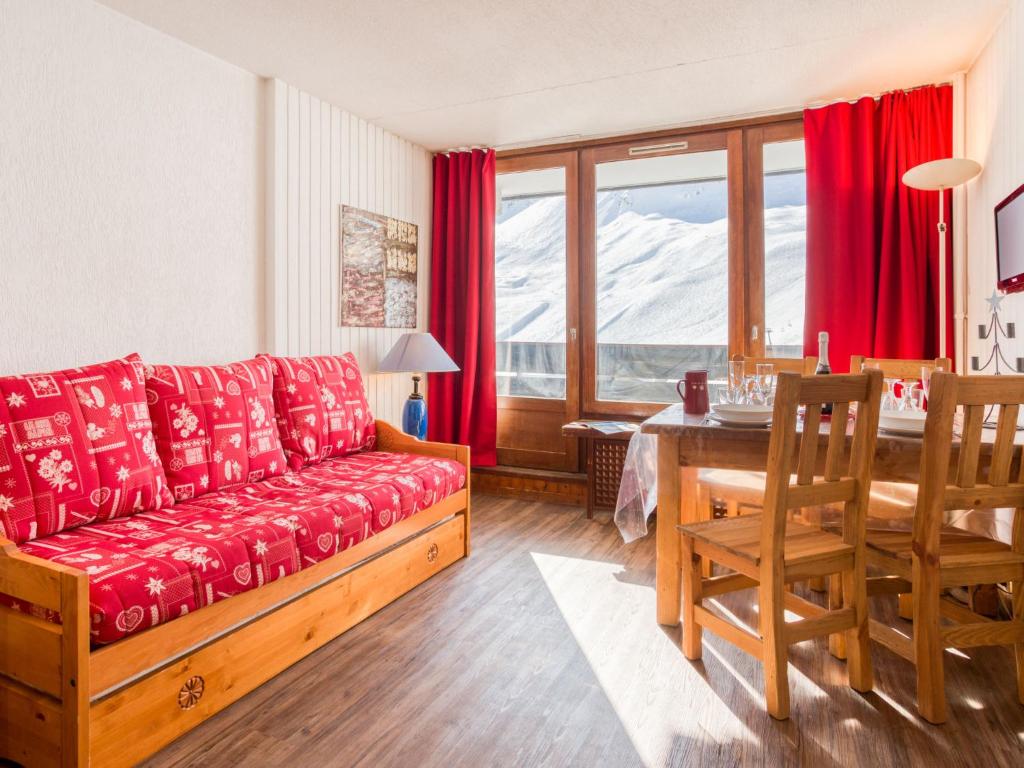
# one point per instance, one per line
(737, 381)
(889, 400)
(926, 381)
(910, 396)
(765, 382)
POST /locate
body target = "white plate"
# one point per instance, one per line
(756, 421)
(902, 422)
(898, 432)
(725, 422)
(742, 410)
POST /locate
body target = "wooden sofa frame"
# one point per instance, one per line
(62, 703)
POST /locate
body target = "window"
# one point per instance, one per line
(662, 266)
(623, 263)
(530, 283)
(785, 247)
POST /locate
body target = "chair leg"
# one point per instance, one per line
(706, 511)
(1018, 648)
(905, 610)
(836, 642)
(775, 651)
(692, 631)
(931, 693)
(858, 645)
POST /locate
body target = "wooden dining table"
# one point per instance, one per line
(688, 443)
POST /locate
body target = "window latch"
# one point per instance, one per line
(753, 333)
(572, 334)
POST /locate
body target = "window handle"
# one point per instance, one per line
(753, 332)
(572, 334)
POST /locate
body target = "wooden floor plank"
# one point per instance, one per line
(542, 649)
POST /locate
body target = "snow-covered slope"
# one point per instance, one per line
(661, 279)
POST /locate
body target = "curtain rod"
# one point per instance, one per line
(875, 96)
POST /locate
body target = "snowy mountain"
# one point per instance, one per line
(662, 265)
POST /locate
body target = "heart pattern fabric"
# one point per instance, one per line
(214, 425)
(76, 446)
(321, 408)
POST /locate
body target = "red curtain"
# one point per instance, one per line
(872, 243)
(464, 405)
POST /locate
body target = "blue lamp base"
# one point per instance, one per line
(414, 415)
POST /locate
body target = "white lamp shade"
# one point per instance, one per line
(417, 352)
(941, 174)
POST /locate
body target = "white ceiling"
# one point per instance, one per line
(445, 73)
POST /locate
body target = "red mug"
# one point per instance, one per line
(693, 390)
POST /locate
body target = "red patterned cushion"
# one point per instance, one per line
(76, 446)
(321, 408)
(156, 566)
(214, 425)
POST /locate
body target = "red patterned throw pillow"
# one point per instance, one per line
(214, 425)
(76, 446)
(321, 407)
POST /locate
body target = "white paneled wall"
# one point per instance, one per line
(995, 138)
(321, 157)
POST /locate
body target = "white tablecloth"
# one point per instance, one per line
(638, 496)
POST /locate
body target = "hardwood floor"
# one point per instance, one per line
(542, 649)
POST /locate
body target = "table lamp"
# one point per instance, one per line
(421, 353)
(941, 175)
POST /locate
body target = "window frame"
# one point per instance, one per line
(744, 142)
(522, 418)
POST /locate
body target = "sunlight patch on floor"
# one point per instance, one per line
(623, 644)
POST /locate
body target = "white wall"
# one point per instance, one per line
(131, 193)
(320, 157)
(995, 138)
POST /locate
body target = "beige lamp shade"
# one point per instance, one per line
(417, 352)
(941, 174)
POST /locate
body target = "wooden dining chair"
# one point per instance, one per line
(737, 491)
(894, 500)
(769, 550)
(932, 558)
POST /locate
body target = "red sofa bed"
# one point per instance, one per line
(156, 521)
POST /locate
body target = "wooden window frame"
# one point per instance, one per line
(744, 142)
(515, 412)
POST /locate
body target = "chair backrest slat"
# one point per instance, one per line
(808, 446)
(1002, 451)
(836, 441)
(970, 446)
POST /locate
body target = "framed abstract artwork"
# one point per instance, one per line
(378, 270)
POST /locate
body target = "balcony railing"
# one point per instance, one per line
(625, 372)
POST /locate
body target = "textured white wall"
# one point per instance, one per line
(320, 157)
(131, 193)
(995, 138)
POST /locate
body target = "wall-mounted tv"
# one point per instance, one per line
(1010, 242)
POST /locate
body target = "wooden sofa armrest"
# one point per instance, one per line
(44, 665)
(390, 438)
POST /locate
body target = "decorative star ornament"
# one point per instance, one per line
(994, 301)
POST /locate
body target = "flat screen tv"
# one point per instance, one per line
(1010, 241)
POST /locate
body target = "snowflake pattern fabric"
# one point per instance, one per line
(214, 425)
(321, 408)
(159, 565)
(76, 446)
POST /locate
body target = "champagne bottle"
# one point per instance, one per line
(823, 368)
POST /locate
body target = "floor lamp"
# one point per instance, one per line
(941, 175)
